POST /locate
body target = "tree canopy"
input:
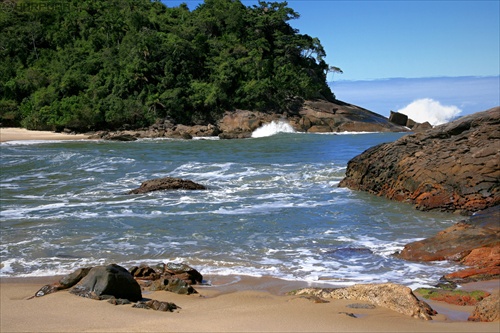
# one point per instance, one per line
(92, 64)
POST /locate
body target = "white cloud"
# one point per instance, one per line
(427, 109)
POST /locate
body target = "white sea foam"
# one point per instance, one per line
(273, 128)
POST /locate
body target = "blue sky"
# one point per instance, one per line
(423, 57)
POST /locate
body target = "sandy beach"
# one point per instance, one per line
(21, 134)
(249, 305)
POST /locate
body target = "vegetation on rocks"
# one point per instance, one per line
(91, 65)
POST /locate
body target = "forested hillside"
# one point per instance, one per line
(93, 64)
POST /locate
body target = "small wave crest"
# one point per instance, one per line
(273, 128)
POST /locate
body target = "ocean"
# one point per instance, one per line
(273, 208)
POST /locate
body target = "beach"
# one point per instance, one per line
(21, 134)
(250, 305)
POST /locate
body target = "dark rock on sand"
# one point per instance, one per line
(156, 305)
(65, 282)
(452, 167)
(168, 183)
(112, 280)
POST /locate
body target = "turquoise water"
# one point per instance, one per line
(272, 208)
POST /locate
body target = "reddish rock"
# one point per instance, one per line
(452, 167)
(474, 242)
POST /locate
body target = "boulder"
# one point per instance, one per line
(111, 280)
(389, 295)
(167, 183)
(452, 167)
(487, 310)
(400, 119)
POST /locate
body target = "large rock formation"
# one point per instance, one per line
(317, 116)
(452, 167)
(389, 295)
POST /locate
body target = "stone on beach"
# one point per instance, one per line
(110, 280)
(389, 295)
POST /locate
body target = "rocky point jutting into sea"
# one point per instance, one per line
(318, 116)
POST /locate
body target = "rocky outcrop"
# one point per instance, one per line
(167, 183)
(317, 116)
(474, 242)
(452, 167)
(389, 295)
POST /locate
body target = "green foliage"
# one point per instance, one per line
(104, 64)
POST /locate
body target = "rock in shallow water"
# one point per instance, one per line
(167, 183)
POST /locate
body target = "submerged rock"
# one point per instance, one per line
(456, 297)
(389, 295)
(167, 183)
(452, 167)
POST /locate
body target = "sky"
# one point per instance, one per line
(373, 41)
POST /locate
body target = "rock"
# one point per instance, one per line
(156, 305)
(474, 242)
(168, 183)
(460, 240)
(110, 280)
(120, 137)
(144, 272)
(400, 119)
(361, 306)
(452, 167)
(338, 116)
(174, 285)
(487, 310)
(65, 282)
(316, 116)
(389, 295)
(455, 297)
(183, 272)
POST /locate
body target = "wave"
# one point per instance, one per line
(273, 128)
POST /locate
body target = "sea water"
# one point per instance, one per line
(273, 208)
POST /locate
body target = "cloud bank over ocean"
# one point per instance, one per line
(438, 99)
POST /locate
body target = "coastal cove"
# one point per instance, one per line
(272, 208)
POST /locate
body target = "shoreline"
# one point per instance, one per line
(230, 304)
(21, 134)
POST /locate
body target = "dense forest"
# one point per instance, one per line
(92, 64)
